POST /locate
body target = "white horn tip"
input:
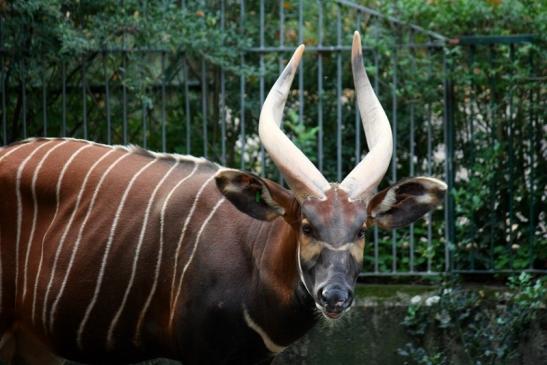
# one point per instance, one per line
(356, 46)
(299, 52)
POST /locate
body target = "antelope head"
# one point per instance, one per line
(330, 219)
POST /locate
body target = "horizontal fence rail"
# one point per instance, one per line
(439, 101)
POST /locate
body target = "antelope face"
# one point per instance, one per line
(331, 241)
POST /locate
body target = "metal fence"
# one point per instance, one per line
(190, 106)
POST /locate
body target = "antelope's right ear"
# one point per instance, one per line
(405, 202)
(260, 198)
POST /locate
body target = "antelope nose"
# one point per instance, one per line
(335, 298)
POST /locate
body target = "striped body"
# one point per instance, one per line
(119, 254)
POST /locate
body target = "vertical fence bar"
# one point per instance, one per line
(163, 112)
(338, 95)
(107, 100)
(376, 58)
(281, 32)
(394, 80)
(320, 87)
(63, 98)
(301, 66)
(242, 88)
(124, 96)
(511, 154)
(471, 62)
(449, 165)
(84, 98)
(357, 116)
(531, 130)
(281, 46)
(124, 89)
(187, 106)
(144, 122)
(491, 108)
(24, 97)
(222, 96)
(261, 79)
(44, 103)
(204, 107)
(412, 151)
(429, 160)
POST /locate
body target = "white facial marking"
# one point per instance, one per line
(270, 345)
(300, 269)
(344, 247)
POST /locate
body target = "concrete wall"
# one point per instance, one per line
(371, 333)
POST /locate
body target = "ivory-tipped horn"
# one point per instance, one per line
(301, 175)
(366, 176)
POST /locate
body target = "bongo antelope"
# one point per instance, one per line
(112, 254)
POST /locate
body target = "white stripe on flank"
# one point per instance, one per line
(57, 197)
(20, 211)
(12, 151)
(61, 242)
(107, 251)
(35, 213)
(109, 339)
(160, 254)
(194, 249)
(183, 233)
(270, 345)
(78, 238)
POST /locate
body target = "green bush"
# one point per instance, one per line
(486, 327)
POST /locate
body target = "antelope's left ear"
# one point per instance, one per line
(260, 198)
(405, 202)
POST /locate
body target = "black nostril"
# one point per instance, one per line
(335, 299)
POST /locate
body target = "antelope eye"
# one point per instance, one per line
(306, 229)
(361, 234)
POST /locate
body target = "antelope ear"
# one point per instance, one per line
(260, 198)
(405, 202)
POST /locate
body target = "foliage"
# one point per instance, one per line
(151, 73)
(132, 46)
(486, 328)
(465, 17)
